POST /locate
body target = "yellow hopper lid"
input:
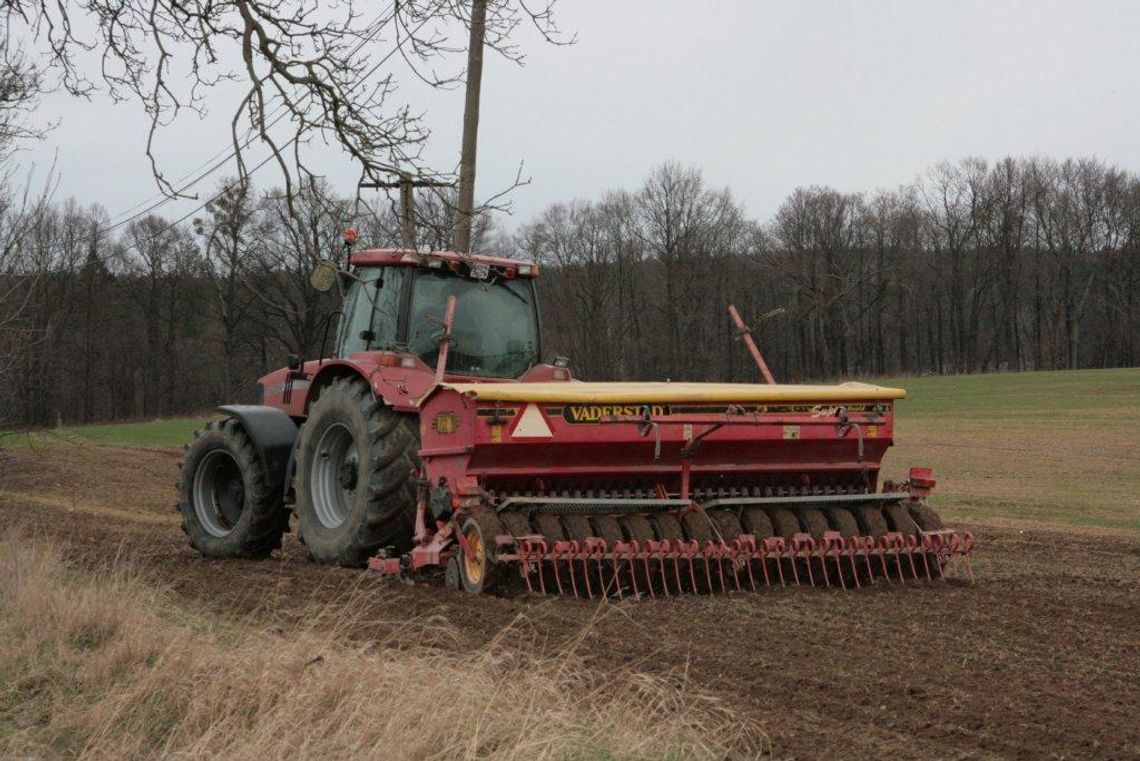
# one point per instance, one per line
(653, 393)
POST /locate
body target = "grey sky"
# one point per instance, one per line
(762, 96)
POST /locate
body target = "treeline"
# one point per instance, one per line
(1020, 265)
(1026, 264)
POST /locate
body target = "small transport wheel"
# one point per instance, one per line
(230, 508)
(478, 570)
(451, 574)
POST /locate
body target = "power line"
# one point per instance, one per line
(222, 157)
(266, 160)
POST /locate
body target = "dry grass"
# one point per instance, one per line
(101, 665)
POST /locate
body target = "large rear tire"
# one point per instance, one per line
(354, 486)
(230, 508)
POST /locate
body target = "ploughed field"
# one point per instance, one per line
(1041, 658)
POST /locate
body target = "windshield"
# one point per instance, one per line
(495, 333)
(368, 319)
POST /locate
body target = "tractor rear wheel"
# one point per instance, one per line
(230, 508)
(355, 492)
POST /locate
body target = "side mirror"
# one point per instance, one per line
(293, 362)
(324, 276)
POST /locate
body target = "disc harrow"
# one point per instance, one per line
(592, 567)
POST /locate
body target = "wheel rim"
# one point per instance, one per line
(474, 557)
(218, 493)
(334, 473)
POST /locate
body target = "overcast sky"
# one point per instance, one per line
(762, 96)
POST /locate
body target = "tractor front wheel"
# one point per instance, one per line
(230, 508)
(354, 488)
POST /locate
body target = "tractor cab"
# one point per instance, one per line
(391, 328)
(395, 302)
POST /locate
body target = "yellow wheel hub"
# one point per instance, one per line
(474, 558)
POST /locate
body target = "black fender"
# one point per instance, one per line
(274, 435)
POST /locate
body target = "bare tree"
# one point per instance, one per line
(229, 232)
(324, 70)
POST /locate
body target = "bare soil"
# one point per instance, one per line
(1039, 659)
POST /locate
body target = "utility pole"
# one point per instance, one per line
(462, 237)
(407, 188)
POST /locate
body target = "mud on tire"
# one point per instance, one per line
(354, 488)
(230, 508)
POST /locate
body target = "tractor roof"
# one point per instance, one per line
(402, 257)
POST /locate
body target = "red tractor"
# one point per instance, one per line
(436, 436)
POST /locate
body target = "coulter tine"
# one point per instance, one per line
(747, 555)
(648, 574)
(631, 564)
(715, 550)
(774, 548)
(764, 565)
(554, 562)
(586, 575)
(661, 549)
(616, 578)
(803, 547)
(838, 566)
(524, 563)
(570, 568)
(926, 564)
(538, 566)
(851, 547)
(910, 556)
(881, 551)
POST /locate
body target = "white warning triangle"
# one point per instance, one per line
(531, 425)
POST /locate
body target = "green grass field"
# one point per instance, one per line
(173, 432)
(1061, 447)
